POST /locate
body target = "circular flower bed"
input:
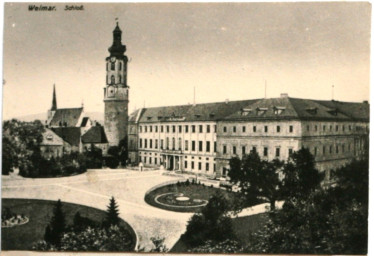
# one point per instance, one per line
(179, 200)
(15, 220)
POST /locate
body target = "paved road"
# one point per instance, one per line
(94, 189)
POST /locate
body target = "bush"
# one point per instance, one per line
(111, 162)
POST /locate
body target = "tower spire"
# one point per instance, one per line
(117, 49)
(54, 101)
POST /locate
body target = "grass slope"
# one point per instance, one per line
(40, 213)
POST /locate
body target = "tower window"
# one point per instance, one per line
(119, 79)
(120, 66)
(112, 66)
(112, 80)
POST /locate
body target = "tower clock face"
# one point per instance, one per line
(111, 91)
(112, 59)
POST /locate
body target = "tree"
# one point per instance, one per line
(256, 177)
(300, 174)
(211, 224)
(123, 152)
(57, 225)
(112, 214)
(323, 221)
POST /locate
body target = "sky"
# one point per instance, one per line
(224, 51)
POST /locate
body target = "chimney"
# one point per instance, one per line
(284, 95)
(226, 101)
(365, 102)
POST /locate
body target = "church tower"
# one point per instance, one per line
(116, 91)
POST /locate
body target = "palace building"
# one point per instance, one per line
(202, 138)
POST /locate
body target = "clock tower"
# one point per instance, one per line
(116, 91)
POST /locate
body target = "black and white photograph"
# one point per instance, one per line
(222, 128)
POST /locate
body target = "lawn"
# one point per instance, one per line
(243, 227)
(40, 213)
(193, 191)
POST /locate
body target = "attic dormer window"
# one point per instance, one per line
(312, 111)
(211, 115)
(197, 115)
(261, 111)
(149, 117)
(278, 110)
(333, 112)
(159, 117)
(49, 137)
(245, 111)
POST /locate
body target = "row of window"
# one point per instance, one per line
(113, 80)
(173, 146)
(330, 128)
(254, 129)
(151, 160)
(254, 148)
(174, 128)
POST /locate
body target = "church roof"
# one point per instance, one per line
(71, 135)
(95, 134)
(66, 117)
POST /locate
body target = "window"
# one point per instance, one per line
(193, 145)
(243, 129)
(337, 149)
(145, 143)
(224, 129)
(119, 79)
(150, 143)
(167, 128)
(180, 128)
(277, 152)
(186, 145)
(243, 150)
(199, 166)
(145, 128)
(162, 128)
(234, 129)
(343, 148)
(291, 128)
(315, 128)
(254, 128)
(156, 143)
(145, 159)
(173, 128)
(215, 128)
(173, 141)
(215, 146)
(265, 151)
(193, 128)
(234, 150)
(192, 165)
(186, 128)
(278, 128)
(112, 66)
(208, 128)
(200, 146)
(120, 66)
(150, 128)
(254, 149)
(343, 128)
(155, 160)
(162, 144)
(208, 146)
(156, 128)
(185, 164)
(112, 80)
(140, 143)
(179, 143)
(150, 160)
(167, 143)
(337, 128)
(206, 166)
(200, 129)
(224, 149)
(330, 150)
(315, 151)
(290, 151)
(330, 127)
(265, 128)
(324, 127)
(307, 128)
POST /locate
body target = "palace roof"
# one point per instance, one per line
(68, 117)
(71, 135)
(95, 134)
